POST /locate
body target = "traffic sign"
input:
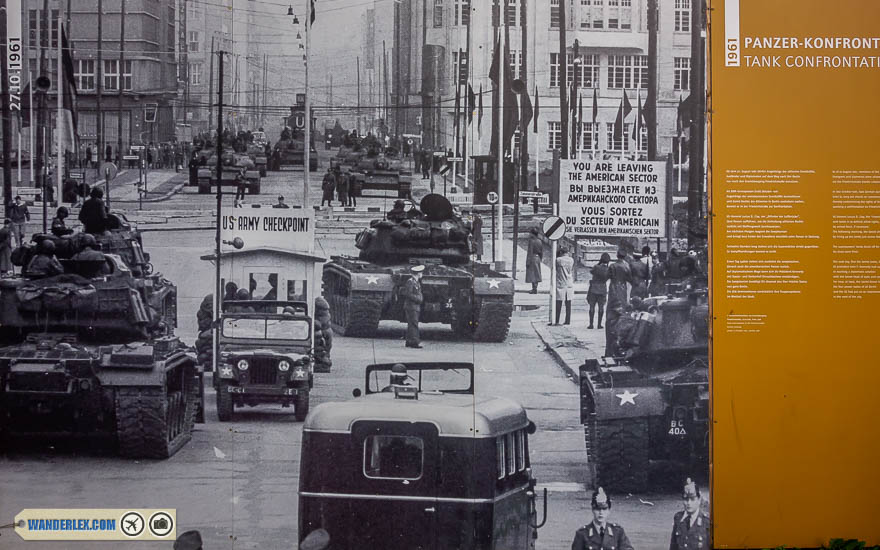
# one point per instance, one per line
(77, 176)
(492, 197)
(130, 157)
(554, 228)
(109, 170)
(455, 159)
(530, 194)
(444, 170)
(137, 147)
(409, 141)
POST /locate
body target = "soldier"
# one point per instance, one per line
(619, 274)
(477, 230)
(534, 256)
(93, 213)
(44, 264)
(397, 214)
(598, 291)
(640, 275)
(280, 203)
(59, 229)
(328, 187)
(412, 305)
(342, 187)
(690, 527)
(600, 534)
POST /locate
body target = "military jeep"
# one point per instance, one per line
(265, 356)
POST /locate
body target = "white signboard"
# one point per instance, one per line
(613, 198)
(288, 229)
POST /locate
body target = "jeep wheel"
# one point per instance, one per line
(224, 403)
(301, 406)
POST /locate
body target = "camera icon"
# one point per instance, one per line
(161, 524)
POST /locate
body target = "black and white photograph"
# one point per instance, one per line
(346, 274)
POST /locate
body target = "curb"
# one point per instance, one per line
(560, 352)
(175, 190)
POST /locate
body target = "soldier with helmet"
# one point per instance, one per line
(601, 534)
(44, 264)
(690, 527)
(412, 305)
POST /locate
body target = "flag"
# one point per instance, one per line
(501, 61)
(457, 123)
(536, 110)
(683, 116)
(527, 112)
(480, 113)
(471, 104)
(68, 122)
(312, 12)
(580, 121)
(595, 107)
(640, 120)
(622, 113)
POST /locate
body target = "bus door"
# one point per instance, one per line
(400, 471)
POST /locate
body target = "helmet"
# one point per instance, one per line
(242, 294)
(398, 373)
(89, 240)
(47, 246)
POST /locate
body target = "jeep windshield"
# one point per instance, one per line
(262, 328)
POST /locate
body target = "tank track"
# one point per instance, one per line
(618, 454)
(493, 320)
(152, 423)
(360, 316)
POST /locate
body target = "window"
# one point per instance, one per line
(393, 457)
(627, 71)
(512, 12)
(111, 74)
(554, 70)
(589, 135)
(510, 453)
(84, 73)
(554, 14)
(617, 142)
(35, 19)
(606, 14)
(438, 14)
(520, 451)
(126, 75)
(462, 12)
(554, 135)
(515, 63)
(682, 75)
(499, 457)
(460, 66)
(588, 74)
(193, 41)
(195, 73)
(643, 139)
(682, 15)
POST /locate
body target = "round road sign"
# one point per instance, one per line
(409, 141)
(492, 197)
(554, 228)
(109, 169)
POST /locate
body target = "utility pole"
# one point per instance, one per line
(651, 100)
(698, 128)
(7, 130)
(211, 87)
(358, 111)
(384, 85)
(99, 89)
(217, 242)
(121, 86)
(524, 134)
(563, 81)
(41, 101)
(307, 146)
(397, 78)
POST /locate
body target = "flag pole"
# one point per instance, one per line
(501, 84)
(31, 127)
(59, 92)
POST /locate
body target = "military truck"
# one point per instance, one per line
(234, 164)
(92, 351)
(645, 410)
(476, 301)
(258, 156)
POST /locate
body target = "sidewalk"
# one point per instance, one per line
(161, 184)
(571, 344)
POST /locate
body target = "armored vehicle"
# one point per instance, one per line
(233, 165)
(258, 156)
(380, 173)
(289, 152)
(646, 410)
(92, 351)
(449, 469)
(471, 297)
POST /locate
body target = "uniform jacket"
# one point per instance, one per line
(44, 266)
(93, 215)
(599, 282)
(587, 538)
(533, 260)
(695, 536)
(640, 276)
(411, 293)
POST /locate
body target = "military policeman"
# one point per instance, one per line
(412, 305)
(601, 534)
(690, 527)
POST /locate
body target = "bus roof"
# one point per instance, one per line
(453, 414)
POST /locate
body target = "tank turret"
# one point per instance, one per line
(432, 230)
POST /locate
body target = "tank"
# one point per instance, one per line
(476, 301)
(233, 165)
(92, 351)
(381, 173)
(645, 409)
(288, 151)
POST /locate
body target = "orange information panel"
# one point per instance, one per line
(795, 176)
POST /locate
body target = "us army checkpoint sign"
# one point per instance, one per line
(290, 229)
(613, 198)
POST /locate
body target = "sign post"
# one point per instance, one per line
(554, 229)
(492, 198)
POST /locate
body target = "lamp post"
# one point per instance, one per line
(307, 131)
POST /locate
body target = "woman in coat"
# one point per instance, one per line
(534, 256)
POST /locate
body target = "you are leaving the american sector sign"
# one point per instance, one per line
(613, 198)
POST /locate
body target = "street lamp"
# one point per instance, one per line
(307, 149)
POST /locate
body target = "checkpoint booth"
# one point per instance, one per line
(270, 252)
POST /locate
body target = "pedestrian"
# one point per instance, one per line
(342, 188)
(658, 276)
(328, 187)
(108, 154)
(412, 305)
(6, 249)
(354, 189)
(564, 285)
(417, 160)
(280, 203)
(240, 186)
(598, 291)
(690, 527)
(18, 214)
(426, 164)
(640, 275)
(477, 229)
(601, 534)
(93, 213)
(534, 256)
(150, 156)
(89, 157)
(619, 275)
(194, 169)
(59, 228)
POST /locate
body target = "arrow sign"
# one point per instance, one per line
(554, 228)
(492, 197)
